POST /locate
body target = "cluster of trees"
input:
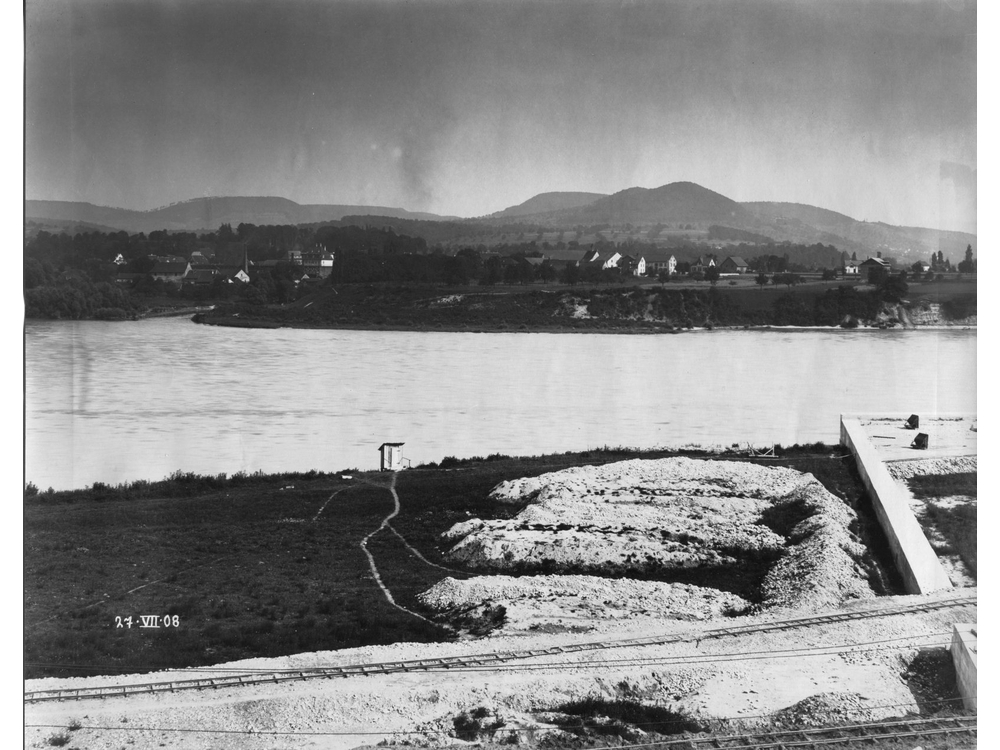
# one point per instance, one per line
(968, 265)
(351, 267)
(940, 264)
(74, 298)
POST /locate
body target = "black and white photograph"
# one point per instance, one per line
(472, 373)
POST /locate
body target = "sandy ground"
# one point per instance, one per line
(947, 437)
(771, 673)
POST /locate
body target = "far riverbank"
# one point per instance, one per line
(632, 310)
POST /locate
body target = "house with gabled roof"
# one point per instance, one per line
(873, 266)
(701, 264)
(172, 271)
(850, 267)
(661, 260)
(733, 264)
(201, 276)
(611, 259)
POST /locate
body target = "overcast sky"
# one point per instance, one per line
(465, 108)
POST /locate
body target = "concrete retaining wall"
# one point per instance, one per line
(963, 652)
(915, 559)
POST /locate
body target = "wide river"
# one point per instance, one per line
(113, 402)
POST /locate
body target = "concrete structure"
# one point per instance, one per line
(964, 644)
(391, 455)
(915, 558)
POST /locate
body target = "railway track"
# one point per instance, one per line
(872, 733)
(475, 660)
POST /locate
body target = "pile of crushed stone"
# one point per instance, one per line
(650, 518)
(822, 565)
(902, 470)
(533, 602)
(825, 709)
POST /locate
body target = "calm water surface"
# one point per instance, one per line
(122, 401)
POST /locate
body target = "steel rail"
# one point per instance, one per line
(816, 737)
(447, 662)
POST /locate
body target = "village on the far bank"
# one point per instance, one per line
(598, 263)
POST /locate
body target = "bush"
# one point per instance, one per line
(957, 308)
(588, 715)
(476, 723)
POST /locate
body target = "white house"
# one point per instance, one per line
(611, 261)
(851, 267)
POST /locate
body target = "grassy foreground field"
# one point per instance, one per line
(267, 565)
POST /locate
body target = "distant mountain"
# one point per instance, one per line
(798, 222)
(677, 202)
(677, 212)
(544, 203)
(204, 214)
(55, 226)
(685, 205)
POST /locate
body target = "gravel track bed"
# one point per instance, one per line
(853, 687)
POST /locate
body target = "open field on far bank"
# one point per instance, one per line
(265, 566)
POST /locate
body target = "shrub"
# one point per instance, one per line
(959, 307)
(474, 724)
(587, 715)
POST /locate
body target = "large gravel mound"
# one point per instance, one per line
(670, 517)
(554, 601)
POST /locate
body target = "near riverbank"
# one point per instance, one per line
(265, 574)
(244, 561)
